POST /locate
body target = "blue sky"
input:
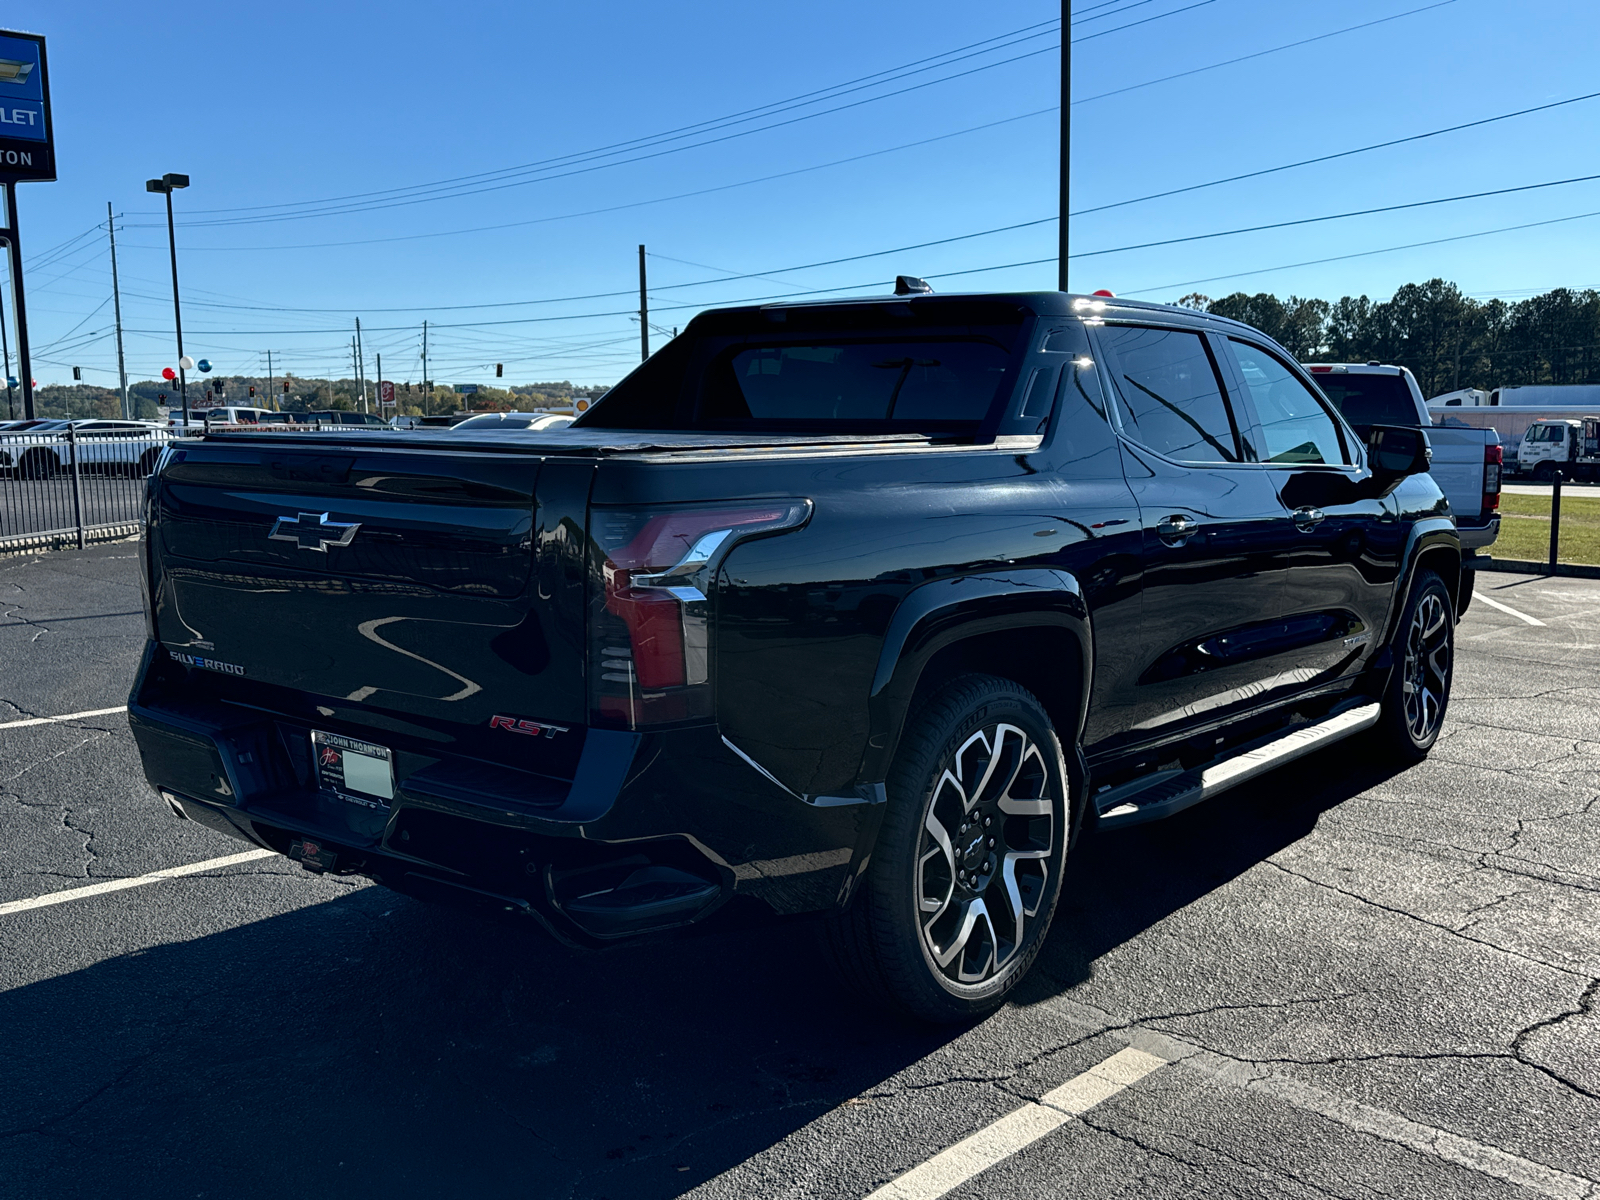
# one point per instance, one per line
(297, 102)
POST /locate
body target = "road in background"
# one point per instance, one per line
(1344, 980)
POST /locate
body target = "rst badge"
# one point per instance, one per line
(528, 728)
(313, 531)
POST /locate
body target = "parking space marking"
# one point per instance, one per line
(1021, 1127)
(117, 885)
(93, 712)
(1507, 609)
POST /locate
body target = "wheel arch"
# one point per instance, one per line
(1433, 545)
(1030, 626)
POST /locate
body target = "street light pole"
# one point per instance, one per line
(166, 185)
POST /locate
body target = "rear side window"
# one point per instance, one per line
(1295, 427)
(917, 383)
(1171, 399)
(1371, 399)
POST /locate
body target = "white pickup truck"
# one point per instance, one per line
(1466, 462)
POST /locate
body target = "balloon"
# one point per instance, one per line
(168, 373)
(204, 364)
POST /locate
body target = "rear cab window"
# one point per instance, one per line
(1370, 399)
(942, 368)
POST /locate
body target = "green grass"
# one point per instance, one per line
(1525, 529)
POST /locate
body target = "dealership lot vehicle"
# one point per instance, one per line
(504, 422)
(1358, 980)
(863, 608)
(51, 448)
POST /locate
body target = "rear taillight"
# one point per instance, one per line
(1492, 459)
(649, 615)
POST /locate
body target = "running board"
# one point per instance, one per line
(1168, 792)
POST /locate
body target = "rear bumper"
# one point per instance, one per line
(651, 831)
(1475, 536)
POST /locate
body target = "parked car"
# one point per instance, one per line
(225, 414)
(862, 608)
(1466, 462)
(509, 421)
(44, 451)
(338, 416)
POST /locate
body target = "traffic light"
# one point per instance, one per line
(77, 373)
(252, 391)
(285, 387)
(408, 387)
(499, 370)
(161, 397)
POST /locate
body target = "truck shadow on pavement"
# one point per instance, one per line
(372, 1044)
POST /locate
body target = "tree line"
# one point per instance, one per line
(1447, 339)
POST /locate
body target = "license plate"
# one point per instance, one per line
(360, 772)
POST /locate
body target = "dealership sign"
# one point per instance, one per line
(27, 140)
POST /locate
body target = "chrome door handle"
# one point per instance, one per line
(1307, 518)
(1176, 529)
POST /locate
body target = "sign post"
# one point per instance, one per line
(27, 154)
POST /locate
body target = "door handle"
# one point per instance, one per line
(1176, 529)
(1307, 518)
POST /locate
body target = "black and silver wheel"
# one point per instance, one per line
(967, 867)
(39, 464)
(1544, 472)
(1424, 662)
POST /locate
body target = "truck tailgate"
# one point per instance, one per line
(387, 578)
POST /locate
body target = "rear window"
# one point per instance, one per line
(824, 371)
(1370, 399)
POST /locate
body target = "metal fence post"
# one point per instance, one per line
(77, 492)
(1555, 521)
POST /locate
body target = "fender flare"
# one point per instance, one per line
(943, 612)
(1426, 536)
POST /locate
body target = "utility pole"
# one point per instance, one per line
(276, 407)
(361, 366)
(1066, 136)
(355, 371)
(377, 391)
(427, 388)
(18, 307)
(644, 312)
(116, 305)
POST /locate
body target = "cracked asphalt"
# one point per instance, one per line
(1366, 983)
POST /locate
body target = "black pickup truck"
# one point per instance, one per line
(862, 608)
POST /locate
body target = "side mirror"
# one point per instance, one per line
(1396, 451)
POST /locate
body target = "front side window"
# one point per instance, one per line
(1171, 398)
(1295, 428)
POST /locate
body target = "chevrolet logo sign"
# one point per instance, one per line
(313, 531)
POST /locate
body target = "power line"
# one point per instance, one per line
(1306, 162)
(1317, 262)
(1360, 212)
(412, 237)
(1134, 87)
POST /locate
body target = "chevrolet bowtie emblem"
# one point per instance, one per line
(313, 531)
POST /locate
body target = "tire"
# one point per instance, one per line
(1544, 472)
(1418, 694)
(39, 464)
(933, 931)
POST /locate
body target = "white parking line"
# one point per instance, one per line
(1022, 1127)
(1507, 609)
(93, 712)
(117, 885)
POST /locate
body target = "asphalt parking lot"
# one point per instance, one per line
(1340, 980)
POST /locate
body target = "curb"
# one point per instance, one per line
(1523, 567)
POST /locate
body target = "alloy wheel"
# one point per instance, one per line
(982, 864)
(1427, 668)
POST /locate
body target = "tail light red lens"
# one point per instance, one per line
(1493, 458)
(649, 620)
